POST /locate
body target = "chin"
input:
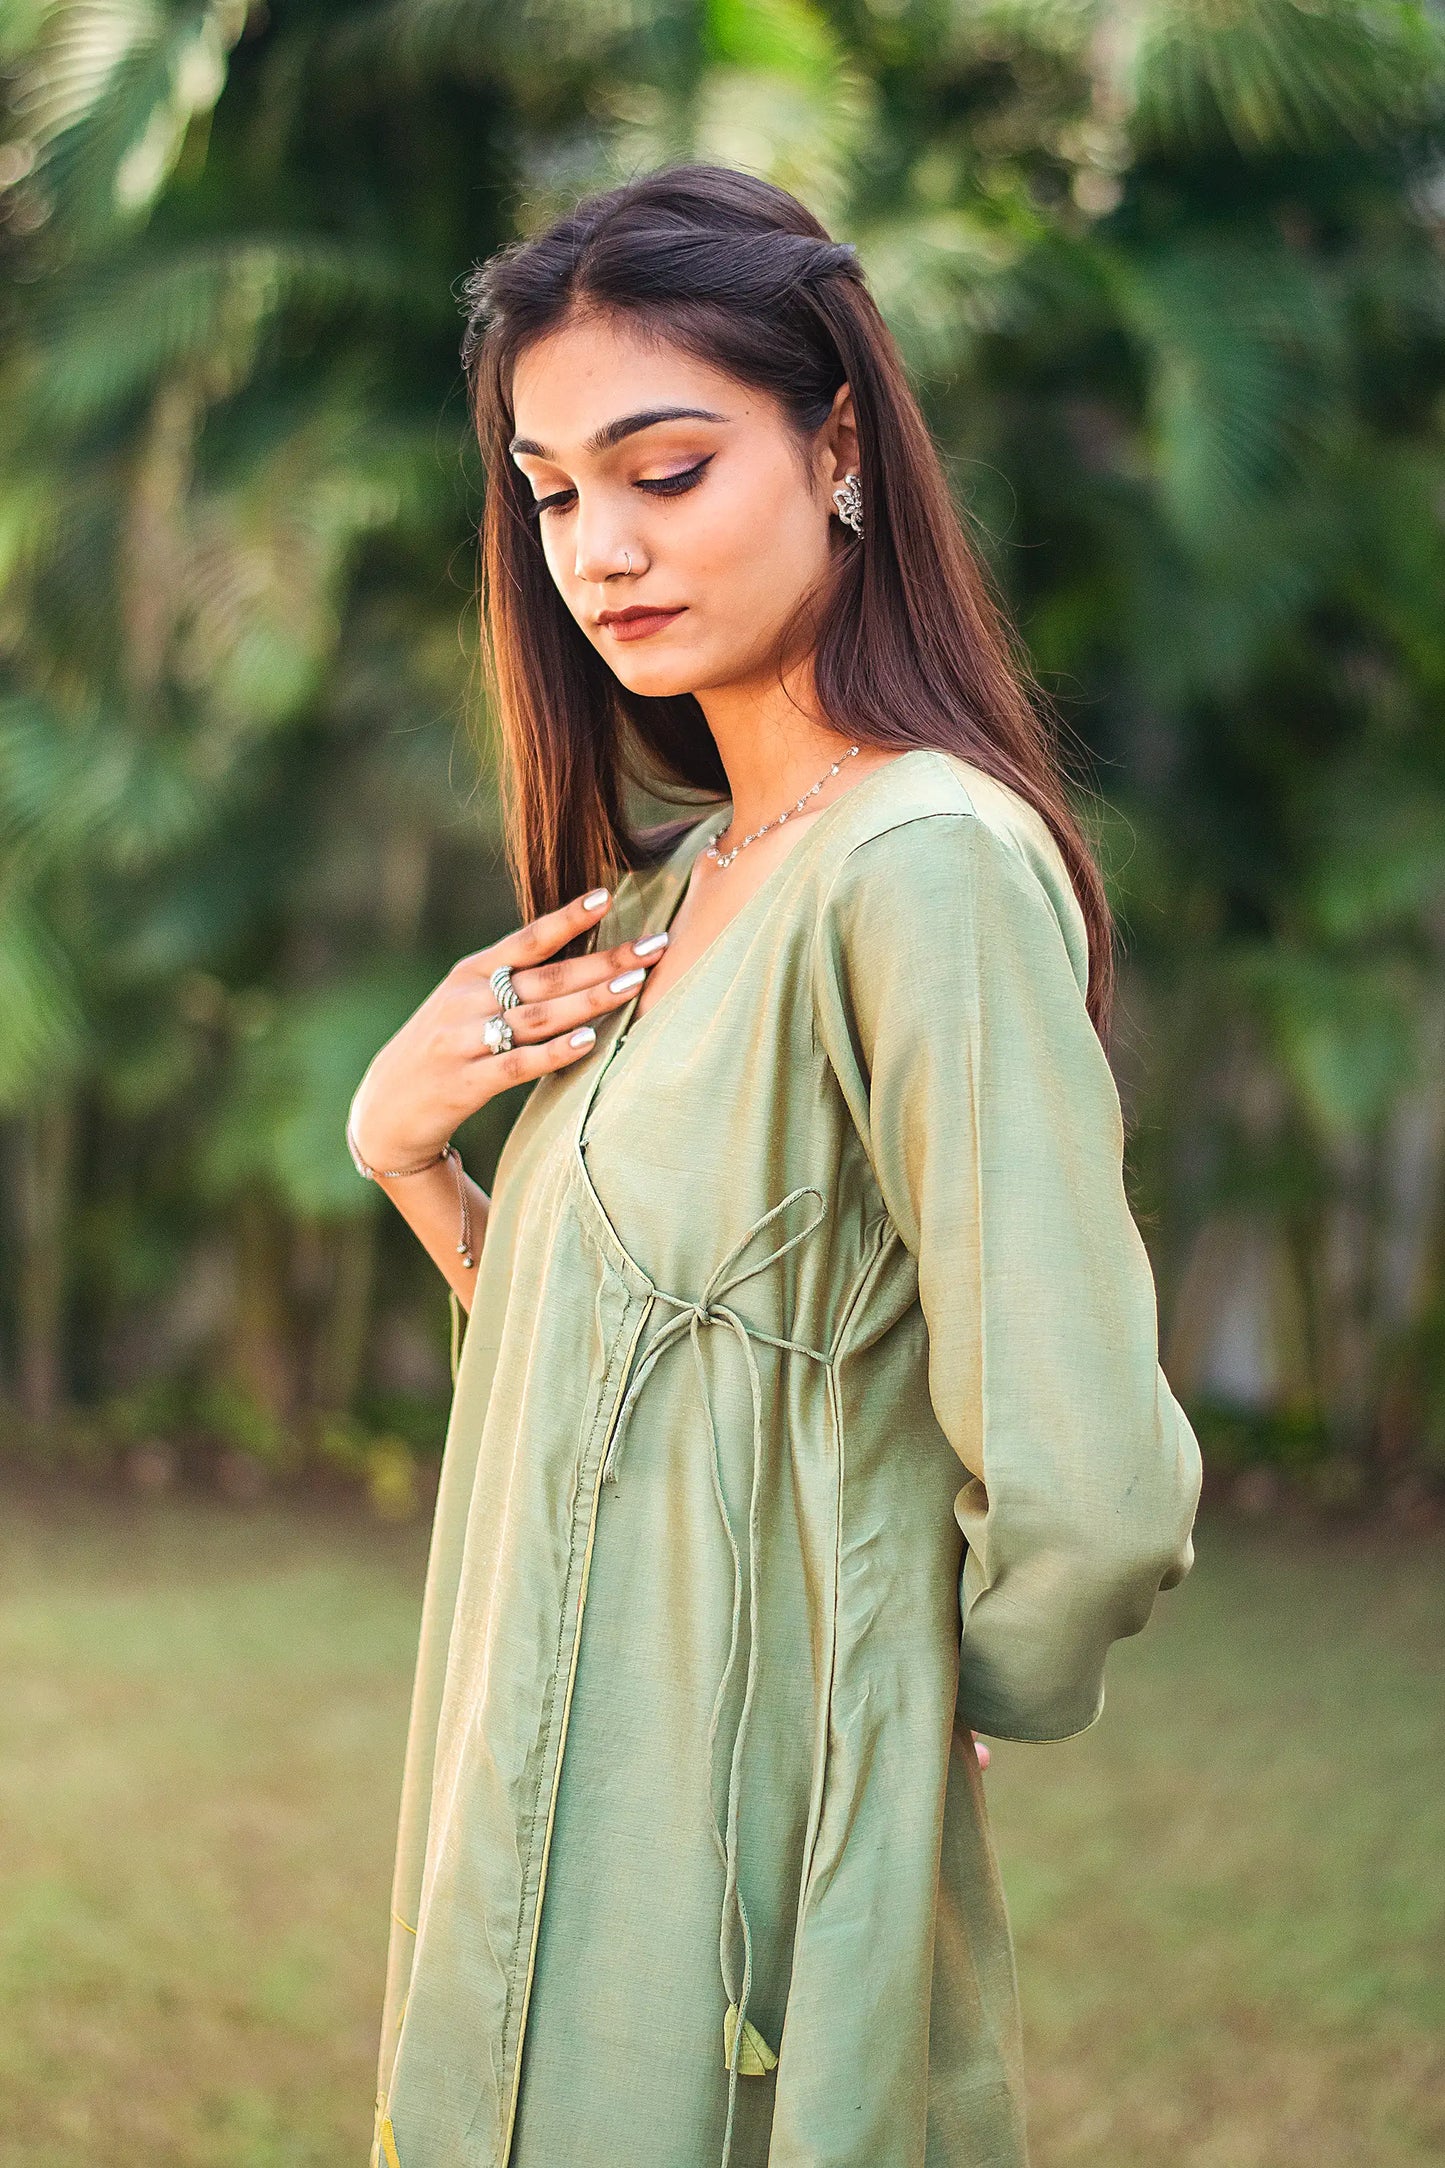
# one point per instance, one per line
(653, 677)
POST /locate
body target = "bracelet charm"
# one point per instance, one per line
(395, 1174)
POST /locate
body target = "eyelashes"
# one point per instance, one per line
(676, 485)
(666, 485)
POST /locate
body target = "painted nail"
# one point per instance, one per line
(650, 946)
(595, 900)
(627, 980)
(584, 1037)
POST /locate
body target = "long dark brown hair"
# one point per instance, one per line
(912, 649)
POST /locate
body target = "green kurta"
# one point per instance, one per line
(809, 1416)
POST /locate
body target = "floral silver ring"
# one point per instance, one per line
(497, 1031)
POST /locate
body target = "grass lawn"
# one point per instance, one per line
(1228, 1898)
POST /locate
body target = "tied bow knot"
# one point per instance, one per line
(709, 1309)
(745, 2052)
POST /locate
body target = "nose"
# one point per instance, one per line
(602, 552)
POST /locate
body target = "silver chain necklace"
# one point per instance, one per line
(722, 862)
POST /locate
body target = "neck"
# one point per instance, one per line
(773, 740)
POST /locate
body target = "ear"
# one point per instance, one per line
(838, 442)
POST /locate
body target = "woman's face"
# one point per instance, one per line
(635, 450)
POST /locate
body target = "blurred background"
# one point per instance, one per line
(1170, 275)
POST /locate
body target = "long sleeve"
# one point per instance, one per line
(949, 971)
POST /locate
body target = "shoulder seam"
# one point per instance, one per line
(965, 812)
(1009, 845)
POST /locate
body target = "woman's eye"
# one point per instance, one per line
(673, 485)
(662, 485)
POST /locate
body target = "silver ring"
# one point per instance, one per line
(502, 987)
(628, 555)
(497, 1031)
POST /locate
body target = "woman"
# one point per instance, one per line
(809, 1416)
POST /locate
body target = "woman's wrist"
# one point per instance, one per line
(390, 1160)
(446, 1160)
(378, 1147)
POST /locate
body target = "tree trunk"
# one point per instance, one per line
(47, 1143)
(262, 1353)
(342, 1340)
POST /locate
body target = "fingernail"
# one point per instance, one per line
(595, 900)
(584, 1037)
(628, 978)
(650, 946)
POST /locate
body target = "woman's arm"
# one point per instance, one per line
(437, 1069)
(948, 992)
(429, 1205)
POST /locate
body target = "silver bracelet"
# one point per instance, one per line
(394, 1174)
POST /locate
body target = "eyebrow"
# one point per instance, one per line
(626, 425)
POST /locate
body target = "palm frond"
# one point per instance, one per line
(104, 340)
(266, 554)
(790, 38)
(804, 136)
(1244, 352)
(78, 787)
(282, 1124)
(779, 96)
(106, 95)
(44, 1023)
(942, 279)
(1345, 1029)
(417, 39)
(1268, 75)
(1378, 858)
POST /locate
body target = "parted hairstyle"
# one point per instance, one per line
(911, 648)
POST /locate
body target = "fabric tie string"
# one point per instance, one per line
(745, 2052)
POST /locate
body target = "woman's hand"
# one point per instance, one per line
(981, 1750)
(436, 1070)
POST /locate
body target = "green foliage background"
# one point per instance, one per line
(1169, 274)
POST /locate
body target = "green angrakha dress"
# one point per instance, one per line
(808, 1417)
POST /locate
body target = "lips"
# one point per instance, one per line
(638, 623)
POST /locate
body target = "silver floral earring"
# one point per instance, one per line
(848, 497)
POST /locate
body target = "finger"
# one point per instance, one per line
(540, 937)
(981, 1751)
(523, 1064)
(545, 982)
(533, 1021)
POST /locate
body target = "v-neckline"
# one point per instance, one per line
(631, 1022)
